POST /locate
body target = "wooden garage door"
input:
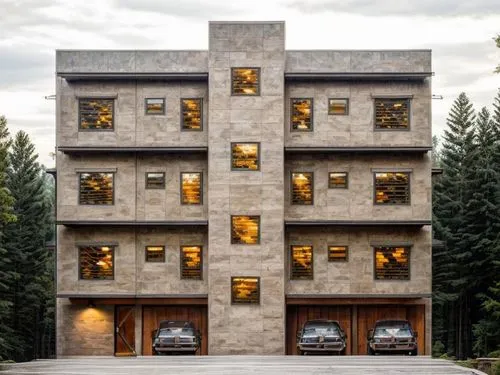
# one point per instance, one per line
(152, 315)
(368, 315)
(298, 315)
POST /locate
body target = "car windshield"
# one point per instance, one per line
(393, 331)
(324, 329)
(175, 331)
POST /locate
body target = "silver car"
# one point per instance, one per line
(390, 336)
(321, 336)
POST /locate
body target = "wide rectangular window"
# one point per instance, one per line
(337, 253)
(338, 107)
(155, 254)
(301, 262)
(392, 114)
(338, 180)
(245, 230)
(392, 188)
(245, 81)
(302, 114)
(191, 188)
(245, 290)
(96, 114)
(392, 263)
(155, 106)
(96, 188)
(245, 156)
(191, 262)
(302, 188)
(155, 180)
(191, 114)
(96, 262)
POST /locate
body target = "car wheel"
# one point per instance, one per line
(414, 352)
(342, 352)
(370, 351)
(300, 352)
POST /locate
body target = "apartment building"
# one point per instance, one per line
(246, 188)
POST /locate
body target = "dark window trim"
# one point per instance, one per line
(341, 114)
(258, 80)
(291, 115)
(291, 189)
(78, 174)
(113, 98)
(155, 114)
(182, 264)
(339, 187)
(156, 187)
(408, 99)
(291, 262)
(258, 157)
(182, 115)
(113, 247)
(409, 249)
(258, 230)
(391, 204)
(201, 189)
(332, 260)
(155, 261)
(233, 302)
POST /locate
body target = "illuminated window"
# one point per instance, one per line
(392, 114)
(302, 114)
(245, 290)
(191, 114)
(191, 262)
(301, 262)
(96, 114)
(392, 188)
(155, 180)
(245, 230)
(96, 188)
(302, 188)
(337, 180)
(338, 106)
(337, 253)
(155, 254)
(392, 263)
(245, 81)
(245, 156)
(96, 262)
(191, 190)
(155, 106)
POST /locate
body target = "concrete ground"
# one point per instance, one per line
(239, 365)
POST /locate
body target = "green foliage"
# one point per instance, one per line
(437, 349)
(495, 368)
(497, 41)
(494, 354)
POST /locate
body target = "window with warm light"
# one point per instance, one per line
(245, 81)
(155, 180)
(245, 290)
(301, 114)
(338, 180)
(338, 107)
(301, 262)
(155, 106)
(337, 253)
(245, 156)
(392, 263)
(155, 254)
(392, 114)
(96, 188)
(392, 188)
(302, 188)
(96, 114)
(191, 114)
(96, 262)
(245, 230)
(191, 188)
(191, 262)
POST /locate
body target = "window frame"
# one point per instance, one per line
(81, 98)
(291, 189)
(333, 260)
(257, 69)
(201, 189)
(181, 268)
(80, 190)
(155, 261)
(154, 188)
(330, 186)
(339, 114)
(291, 263)
(406, 98)
(164, 111)
(374, 254)
(409, 173)
(258, 157)
(241, 302)
(113, 249)
(200, 99)
(291, 115)
(258, 230)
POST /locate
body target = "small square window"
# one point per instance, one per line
(96, 262)
(338, 180)
(337, 253)
(191, 262)
(301, 262)
(96, 188)
(155, 180)
(338, 107)
(392, 263)
(245, 290)
(191, 188)
(191, 114)
(155, 106)
(392, 188)
(245, 156)
(96, 114)
(245, 81)
(392, 114)
(302, 114)
(155, 254)
(245, 230)
(302, 188)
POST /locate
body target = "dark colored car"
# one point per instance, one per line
(392, 336)
(174, 336)
(321, 336)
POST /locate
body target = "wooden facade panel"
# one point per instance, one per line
(125, 330)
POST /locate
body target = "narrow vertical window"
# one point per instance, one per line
(338, 107)
(392, 114)
(191, 262)
(301, 262)
(245, 290)
(191, 114)
(392, 263)
(96, 188)
(337, 253)
(302, 188)
(245, 156)
(155, 254)
(392, 188)
(155, 106)
(96, 262)
(191, 188)
(337, 180)
(155, 180)
(96, 114)
(245, 81)
(302, 114)
(245, 230)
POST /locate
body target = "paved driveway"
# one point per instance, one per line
(239, 365)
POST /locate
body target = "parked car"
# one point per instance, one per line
(321, 336)
(174, 336)
(390, 336)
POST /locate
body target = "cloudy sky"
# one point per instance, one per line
(459, 32)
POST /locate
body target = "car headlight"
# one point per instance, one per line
(377, 340)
